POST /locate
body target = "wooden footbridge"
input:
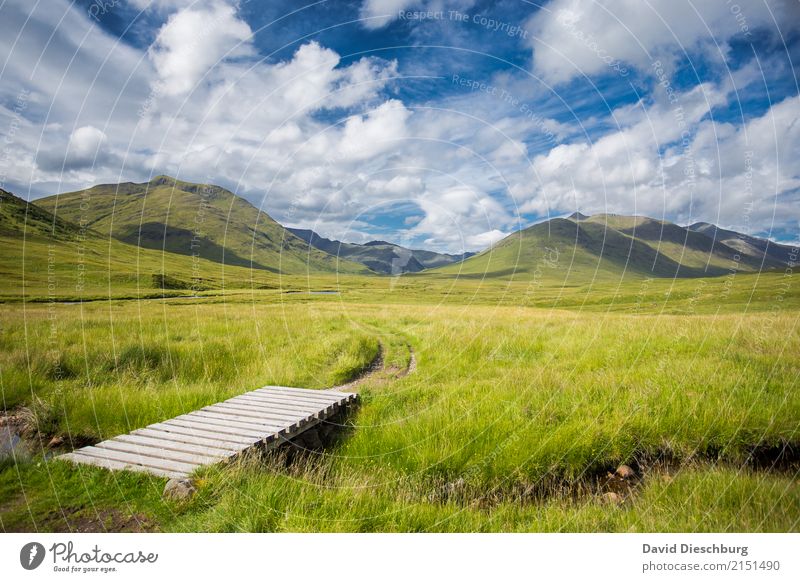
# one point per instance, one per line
(174, 448)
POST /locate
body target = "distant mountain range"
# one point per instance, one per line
(176, 227)
(583, 248)
(381, 256)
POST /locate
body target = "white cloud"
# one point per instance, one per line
(738, 176)
(86, 144)
(379, 13)
(193, 41)
(484, 240)
(573, 37)
(374, 133)
(460, 219)
(316, 141)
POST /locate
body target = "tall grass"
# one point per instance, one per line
(109, 370)
(505, 400)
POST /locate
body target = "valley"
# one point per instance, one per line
(541, 365)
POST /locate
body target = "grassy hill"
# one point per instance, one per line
(380, 256)
(196, 220)
(21, 219)
(48, 258)
(748, 245)
(582, 249)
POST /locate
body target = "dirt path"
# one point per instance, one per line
(377, 367)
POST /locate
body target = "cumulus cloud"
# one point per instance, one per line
(659, 166)
(195, 39)
(86, 145)
(86, 148)
(571, 38)
(320, 141)
(461, 218)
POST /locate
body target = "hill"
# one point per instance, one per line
(20, 218)
(380, 256)
(48, 258)
(759, 248)
(581, 249)
(196, 220)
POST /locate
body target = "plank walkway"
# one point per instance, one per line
(174, 448)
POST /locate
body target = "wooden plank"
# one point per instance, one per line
(266, 425)
(291, 399)
(163, 464)
(240, 422)
(179, 439)
(328, 395)
(77, 457)
(319, 397)
(172, 445)
(246, 400)
(284, 402)
(267, 416)
(256, 411)
(156, 452)
(186, 421)
(190, 432)
(218, 420)
(323, 397)
(253, 408)
(208, 431)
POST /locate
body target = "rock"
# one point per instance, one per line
(611, 498)
(625, 472)
(179, 489)
(56, 441)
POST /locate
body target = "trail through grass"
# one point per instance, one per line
(507, 402)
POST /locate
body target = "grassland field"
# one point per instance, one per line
(524, 396)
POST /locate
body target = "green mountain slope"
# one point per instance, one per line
(757, 248)
(19, 218)
(196, 220)
(45, 257)
(692, 249)
(582, 249)
(380, 256)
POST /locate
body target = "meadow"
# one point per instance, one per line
(523, 399)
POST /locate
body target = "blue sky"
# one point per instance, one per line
(440, 124)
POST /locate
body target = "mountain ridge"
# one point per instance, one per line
(380, 256)
(193, 220)
(581, 248)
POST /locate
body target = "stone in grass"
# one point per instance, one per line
(611, 498)
(179, 489)
(625, 472)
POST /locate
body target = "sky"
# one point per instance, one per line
(439, 124)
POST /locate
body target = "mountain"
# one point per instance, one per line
(197, 220)
(759, 248)
(20, 218)
(581, 249)
(380, 256)
(45, 256)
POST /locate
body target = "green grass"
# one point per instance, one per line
(542, 364)
(507, 399)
